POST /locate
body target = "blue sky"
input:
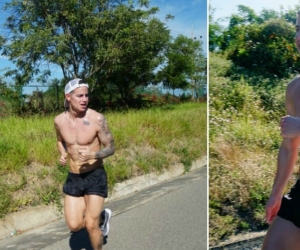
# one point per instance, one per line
(224, 9)
(190, 19)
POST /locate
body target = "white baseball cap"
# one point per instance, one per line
(71, 85)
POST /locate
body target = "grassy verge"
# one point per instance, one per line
(242, 168)
(146, 141)
(244, 143)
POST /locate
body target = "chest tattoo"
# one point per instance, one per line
(86, 122)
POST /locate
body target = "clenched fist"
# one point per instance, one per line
(63, 159)
(290, 126)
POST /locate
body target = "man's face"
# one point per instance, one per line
(78, 98)
(297, 36)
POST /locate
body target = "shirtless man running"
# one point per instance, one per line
(284, 212)
(81, 133)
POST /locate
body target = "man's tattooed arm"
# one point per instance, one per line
(105, 138)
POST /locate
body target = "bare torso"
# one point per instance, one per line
(80, 133)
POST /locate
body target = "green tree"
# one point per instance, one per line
(215, 31)
(139, 47)
(11, 99)
(267, 49)
(180, 67)
(111, 44)
(261, 44)
(199, 77)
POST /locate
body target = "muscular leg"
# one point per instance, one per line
(282, 235)
(74, 208)
(94, 205)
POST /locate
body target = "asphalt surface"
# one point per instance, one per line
(168, 216)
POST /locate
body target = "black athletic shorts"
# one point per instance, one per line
(290, 205)
(93, 182)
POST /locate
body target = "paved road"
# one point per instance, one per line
(168, 216)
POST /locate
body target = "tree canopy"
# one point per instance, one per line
(185, 60)
(262, 44)
(115, 46)
(109, 43)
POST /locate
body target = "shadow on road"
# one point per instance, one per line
(80, 240)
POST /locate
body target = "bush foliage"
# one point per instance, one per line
(244, 143)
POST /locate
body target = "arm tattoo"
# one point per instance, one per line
(106, 139)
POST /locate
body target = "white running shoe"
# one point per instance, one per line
(106, 214)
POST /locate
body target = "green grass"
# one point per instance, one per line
(146, 141)
(152, 140)
(26, 140)
(242, 167)
(244, 142)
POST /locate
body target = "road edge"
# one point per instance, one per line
(240, 240)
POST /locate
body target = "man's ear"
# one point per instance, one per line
(68, 97)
